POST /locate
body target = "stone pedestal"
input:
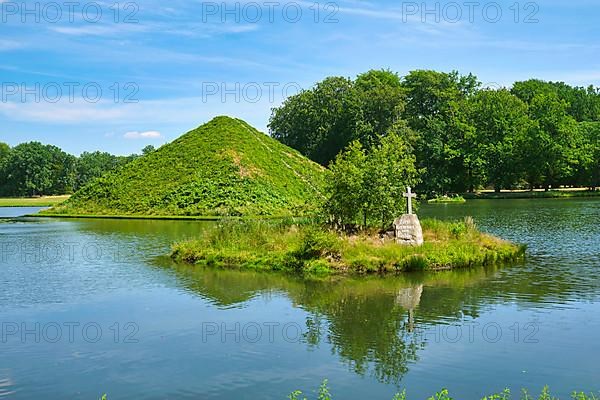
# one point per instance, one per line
(408, 230)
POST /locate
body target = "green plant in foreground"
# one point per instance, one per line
(444, 394)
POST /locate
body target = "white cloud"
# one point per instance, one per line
(142, 135)
(9, 45)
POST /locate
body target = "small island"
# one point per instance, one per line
(313, 249)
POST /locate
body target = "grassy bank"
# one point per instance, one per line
(536, 194)
(447, 200)
(131, 217)
(324, 393)
(307, 248)
(48, 201)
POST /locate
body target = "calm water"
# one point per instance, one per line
(90, 307)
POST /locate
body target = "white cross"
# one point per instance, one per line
(410, 195)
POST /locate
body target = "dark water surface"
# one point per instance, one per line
(90, 307)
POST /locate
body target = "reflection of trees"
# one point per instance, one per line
(370, 329)
(374, 324)
(371, 323)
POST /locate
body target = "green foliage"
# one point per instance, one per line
(437, 110)
(444, 394)
(323, 121)
(92, 166)
(223, 168)
(148, 149)
(538, 134)
(324, 391)
(502, 125)
(33, 169)
(366, 188)
(441, 395)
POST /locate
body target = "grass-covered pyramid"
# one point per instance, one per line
(224, 167)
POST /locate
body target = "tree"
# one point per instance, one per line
(551, 146)
(502, 124)
(366, 188)
(63, 169)
(346, 186)
(148, 149)
(4, 154)
(435, 108)
(93, 165)
(390, 169)
(381, 100)
(589, 155)
(583, 104)
(319, 122)
(28, 171)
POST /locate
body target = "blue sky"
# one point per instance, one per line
(177, 64)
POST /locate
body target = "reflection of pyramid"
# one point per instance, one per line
(409, 299)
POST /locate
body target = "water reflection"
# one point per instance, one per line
(375, 325)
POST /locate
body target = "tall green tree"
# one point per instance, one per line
(588, 173)
(381, 100)
(551, 148)
(28, 170)
(502, 124)
(435, 108)
(322, 121)
(319, 122)
(63, 168)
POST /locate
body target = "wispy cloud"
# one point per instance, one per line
(142, 135)
(6, 45)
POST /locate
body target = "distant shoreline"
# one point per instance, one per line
(46, 201)
(536, 194)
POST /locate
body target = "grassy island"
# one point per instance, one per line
(447, 200)
(309, 248)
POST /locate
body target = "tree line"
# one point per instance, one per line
(463, 136)
(35, 169)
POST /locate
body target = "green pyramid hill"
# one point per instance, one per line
(224, 167)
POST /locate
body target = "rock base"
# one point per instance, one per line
(408, 230)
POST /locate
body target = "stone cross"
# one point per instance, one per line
(409, 196)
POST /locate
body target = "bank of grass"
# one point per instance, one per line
(447, 200)
(131, 217)
(536, 194)
(47, 201)
(324, 393)
(300, 246)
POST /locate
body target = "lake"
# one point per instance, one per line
(92, 306)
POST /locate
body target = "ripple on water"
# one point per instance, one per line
(6, 387)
